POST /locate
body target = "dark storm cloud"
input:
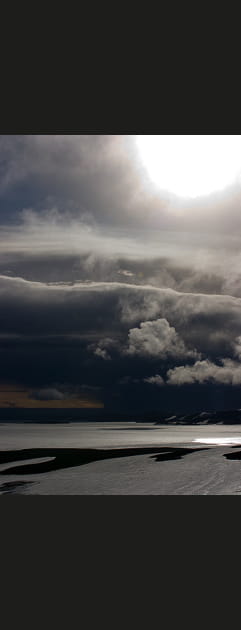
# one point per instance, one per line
(92, 325)
(33, 307)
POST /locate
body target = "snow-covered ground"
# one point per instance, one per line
(202, 468)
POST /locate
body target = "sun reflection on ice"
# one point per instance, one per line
(219, 441)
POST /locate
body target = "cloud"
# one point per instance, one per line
(155, 380)
(202, 372)
(237, 347)
(55, 245)
(102, 353)
(102, 176)
(104, 348)
(94, 172)
(157, 339)
(47, 394)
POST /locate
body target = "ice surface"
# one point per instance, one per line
(202, 467)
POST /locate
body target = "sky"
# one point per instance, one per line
(116, 293)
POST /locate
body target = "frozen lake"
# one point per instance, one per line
(120, 458)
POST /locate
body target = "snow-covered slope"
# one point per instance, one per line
(232, 416)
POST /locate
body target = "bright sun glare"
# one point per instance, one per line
(191, 166)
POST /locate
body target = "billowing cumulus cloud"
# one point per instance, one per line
(157, 339)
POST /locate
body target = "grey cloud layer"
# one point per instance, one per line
(51, 248)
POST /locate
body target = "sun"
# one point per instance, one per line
(191, 166)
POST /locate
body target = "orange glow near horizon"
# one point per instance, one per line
(15, 396)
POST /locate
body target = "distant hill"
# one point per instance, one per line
(231, 416)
